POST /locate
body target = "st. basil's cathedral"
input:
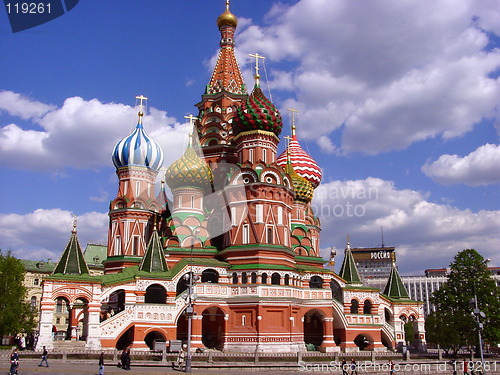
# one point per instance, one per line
(233, 257)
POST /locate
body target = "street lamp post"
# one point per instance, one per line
(479, 314)
(191, 296)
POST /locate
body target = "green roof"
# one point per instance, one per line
(72, 261)
(395, 288)
(95, 254)
(349, 271)
(38, 266)
(154, 258)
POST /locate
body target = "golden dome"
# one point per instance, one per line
(227, 19)
(303, 189)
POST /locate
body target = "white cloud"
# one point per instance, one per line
(480, 167)
(426, 234)
(393, 73)
(21, 106)
(82, 134)
(44, 233)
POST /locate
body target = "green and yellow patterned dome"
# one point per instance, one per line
(189, 171)
(303, 189)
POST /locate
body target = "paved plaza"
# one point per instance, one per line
(59, 367)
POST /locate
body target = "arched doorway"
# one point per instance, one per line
(116, 301)
(182, 326)
(61, 320)
(153, 336)
(126, 339)
(213, 328)
(155, 294)
(363, 341)
(80, 319)
(314, 330)
(336, 291)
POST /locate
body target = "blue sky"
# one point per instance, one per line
(398, 104)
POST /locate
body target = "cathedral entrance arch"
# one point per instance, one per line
(213, 327)
(80, 319)
(126, 339)
(61, 320)
(153, 336)
(363, 341)
(314, 330)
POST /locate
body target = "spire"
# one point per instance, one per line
(293, 110)
(154, 258)
(226, 75)
(395, 287)
(72, 261)
(349, 271)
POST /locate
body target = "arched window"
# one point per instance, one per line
(155, 294)
(253, 278)
(287, 279)
(316, 282)
(33, 302)
(336, 291)
(210, 276)
(244, 278)
(367, 307)
(264, 278)
(354, 306)
(275, 279)
(235, 278)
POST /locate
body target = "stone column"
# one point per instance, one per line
(196, 331)
(328, 344)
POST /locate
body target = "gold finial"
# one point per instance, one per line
(191, 119)
(227, 5)
(348, 247)
(293, 110)
(257, 57)
(141, 98)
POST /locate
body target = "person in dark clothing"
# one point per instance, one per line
(344, 367)
(101, 364)
(44, 358)
(14, 362)
(353, 367)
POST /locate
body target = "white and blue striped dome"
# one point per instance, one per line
(138, 149)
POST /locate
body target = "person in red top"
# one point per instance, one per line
(466, 367)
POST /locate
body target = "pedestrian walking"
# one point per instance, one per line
(14, 362)
(101, 364)
(126, 364)
(354, 371)
(344, 367)
(466, 367)
(391, 367)
(45, 354)
(181, 358)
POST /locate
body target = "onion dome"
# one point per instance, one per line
(301, 161)
(189, 171)
(138, 149)
(303, 188)
(257, 113)
(227, 18)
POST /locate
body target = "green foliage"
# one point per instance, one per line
(16, 315)
(453, 325)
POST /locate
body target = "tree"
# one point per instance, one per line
(453, 324)
(16, 315)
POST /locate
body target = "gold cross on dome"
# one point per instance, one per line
(227, 4)
(257, 57)
(191, 119)
(293, 110)
(141, 98)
